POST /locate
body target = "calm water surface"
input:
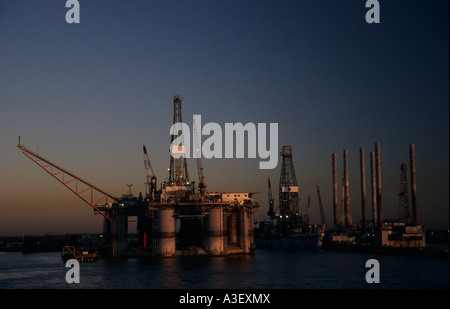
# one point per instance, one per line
(266, 269)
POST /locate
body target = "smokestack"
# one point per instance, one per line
(378, 173)
(374, 187)
(335, 194)
(363, 187)
(346, 190)
(412, 160)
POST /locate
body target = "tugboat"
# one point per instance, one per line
(81, 255)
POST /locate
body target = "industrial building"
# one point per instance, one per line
(287, 228)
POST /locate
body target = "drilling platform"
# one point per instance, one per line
(176, 219)
(288, 229)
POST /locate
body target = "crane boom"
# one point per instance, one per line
(148, 166)
(308, 209)
(271, 212)
(74, 183)
(322, 215)
(151, 178)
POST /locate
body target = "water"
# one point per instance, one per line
(267, 269)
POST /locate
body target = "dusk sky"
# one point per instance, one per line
(87, 96)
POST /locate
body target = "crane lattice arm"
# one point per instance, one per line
(308, 209)
(322, 215)
(90, 194)
(271, 212)
(151, 178)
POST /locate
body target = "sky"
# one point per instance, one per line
(87, 96)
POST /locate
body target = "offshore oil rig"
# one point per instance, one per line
(178, 218)
(403, 232)
(288, 229)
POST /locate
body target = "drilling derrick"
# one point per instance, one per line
(404, 213)
(288, 187)
(178, 171)
(201, 178)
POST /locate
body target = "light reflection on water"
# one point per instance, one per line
(264, 270)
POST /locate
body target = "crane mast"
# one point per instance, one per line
(322, 215)
(271, 212)
(308, 207)
(151, 178)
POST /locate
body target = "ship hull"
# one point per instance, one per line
(302, 241)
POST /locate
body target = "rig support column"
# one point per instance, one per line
(225, 217)
(412, 159)
(243, 239)
(335, 194)
(165, 232)
(363, 187)
(373, 185)
(378, 173)
(346, 191)
(214, 231)
(119, 232)
(251, 231)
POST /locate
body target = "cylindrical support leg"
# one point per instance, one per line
(165, 232)
(412, 159)
(346, 191)
(373, 184)
(251, 232)
(335, 194)
(363, 188)
(214, 231)
(119, 233)
(378, 173)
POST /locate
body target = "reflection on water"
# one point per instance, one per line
(264, 270)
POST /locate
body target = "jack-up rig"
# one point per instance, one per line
(176, 219)
(402, 233)
(287, 228)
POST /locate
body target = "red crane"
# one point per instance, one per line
(89, 193)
